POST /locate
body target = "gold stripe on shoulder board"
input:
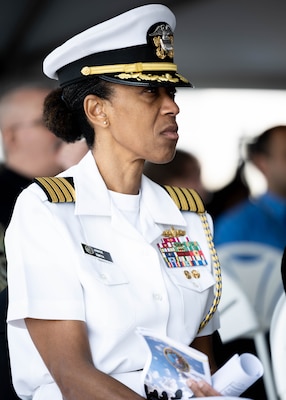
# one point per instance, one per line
(186, 199)
(58, 189)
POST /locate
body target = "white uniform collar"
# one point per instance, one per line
(92, 197)
(159, 204)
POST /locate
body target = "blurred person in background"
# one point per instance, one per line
(183, 171)
(230, 195)
(30, 150)
(260, 219)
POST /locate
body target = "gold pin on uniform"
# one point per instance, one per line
(173, 232)
(188, 275)
(193, 274)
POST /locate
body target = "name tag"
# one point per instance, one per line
(98, 253)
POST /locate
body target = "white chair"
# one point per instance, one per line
(238, 320)
(257, 269)
(278, 346)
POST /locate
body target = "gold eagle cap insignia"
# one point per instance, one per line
(163, 40)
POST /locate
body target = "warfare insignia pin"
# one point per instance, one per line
(172, 232)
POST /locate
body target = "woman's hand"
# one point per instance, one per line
(202, 388)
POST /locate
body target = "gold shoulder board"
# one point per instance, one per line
(57, 189)
(186, 199)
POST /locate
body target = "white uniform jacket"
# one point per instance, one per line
(126, 284)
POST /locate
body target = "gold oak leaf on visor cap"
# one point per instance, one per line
(133, 48)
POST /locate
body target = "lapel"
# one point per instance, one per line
(158, 211)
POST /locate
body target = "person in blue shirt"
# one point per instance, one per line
(261, 219)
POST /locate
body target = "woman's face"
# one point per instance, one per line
(142, 122)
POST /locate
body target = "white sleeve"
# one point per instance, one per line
(42, 273)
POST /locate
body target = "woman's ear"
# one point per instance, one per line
(94, 110)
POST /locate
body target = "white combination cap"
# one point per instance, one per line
(134, 48)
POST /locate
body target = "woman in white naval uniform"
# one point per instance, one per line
(84, 274)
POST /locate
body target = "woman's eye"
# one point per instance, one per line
(156, 91)
(151, 90)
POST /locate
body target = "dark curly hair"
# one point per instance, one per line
(64, 113)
